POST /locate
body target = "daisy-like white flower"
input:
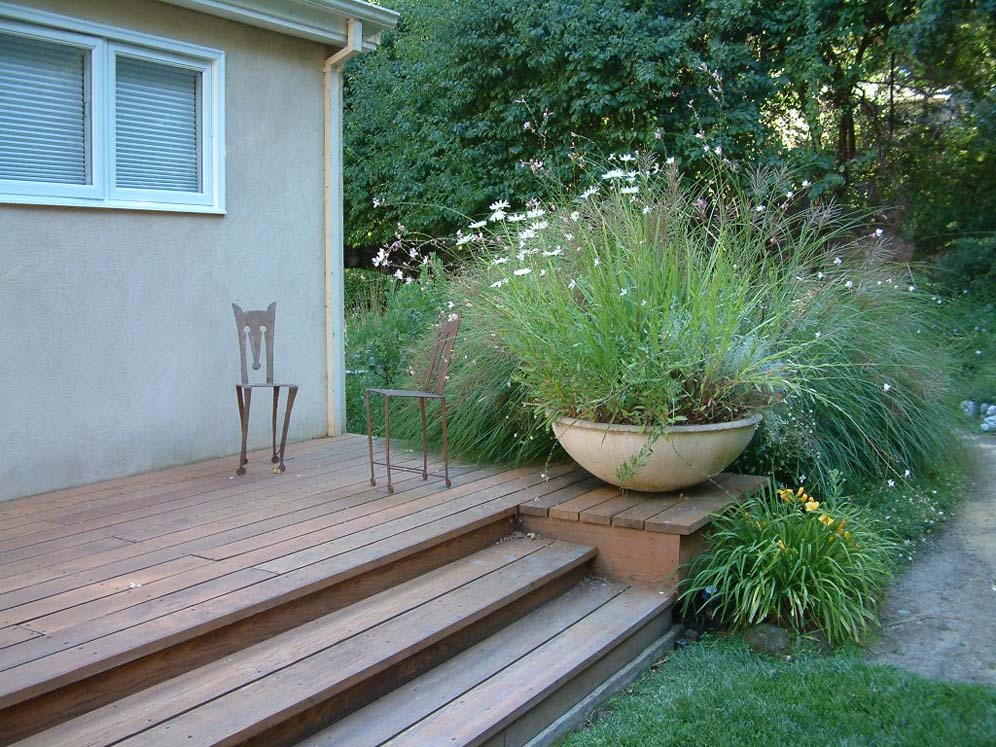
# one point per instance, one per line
(575, 216)
(499, 260)
(399, 274)
(498, 205)
(499, 283)
(523, 271)
(669, 160)
(629, 190)
(614, 174)
(478, 224)
(527, 234)
(497, 215)
(759, 209)
(572, 285)
(535, 213)
(789, 195)
(627, 157)
(623, 291)
(886, 387)
(463, 238)
(588, 193)
(553, 252)
(377, 202)
(516, 217)
(878, 233)
(540, 225)
(837, 261)
(382, 256)
(647, 210)
(805, 183)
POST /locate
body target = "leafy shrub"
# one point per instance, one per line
(795, 560)
(380, 337)
(364, 289)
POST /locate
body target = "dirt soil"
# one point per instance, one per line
(939, 619)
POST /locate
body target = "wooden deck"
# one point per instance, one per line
(136, 583)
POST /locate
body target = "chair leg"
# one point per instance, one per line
(387, 441)
(243, 396)
(291, 396)
(425, 441)
(370, 441)
(276, 404)
(446, 456)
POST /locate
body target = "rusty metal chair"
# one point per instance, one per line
(257, 327)
(434, 382)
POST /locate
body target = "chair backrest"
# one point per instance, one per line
(254, 325)
(442, 350)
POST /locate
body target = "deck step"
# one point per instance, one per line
(220, 598)
(512, 686)
(290, 685)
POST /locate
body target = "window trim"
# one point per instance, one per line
(104, 43)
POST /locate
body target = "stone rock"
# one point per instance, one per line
(990, 411)
(768, 639)
(970, 408)
(989, 424)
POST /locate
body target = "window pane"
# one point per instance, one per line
(157, 143)
(42, 111)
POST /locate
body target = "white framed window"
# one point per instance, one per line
(102, 117)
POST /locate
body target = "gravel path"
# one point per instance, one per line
(939, 619)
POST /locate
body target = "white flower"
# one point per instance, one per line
(669, 160)
(647, 210)
(522, 271)
(805, 183)
(588, 193)
(499, 260)
(497, 215)
(820, 276)
(623, 291)
(627, 157)
(536, 213)
(837, 260)
(542, 273)
(575, 216)
(849, 284)
(819, 335)
(377, 202)
(399, 274)
(878, 233)
(886, 387)
(912, 288)
(382, 256)
(892, 483)
(572, 285)
(629, 190)
(597, 261)
(450, 304)
(789, 195)
(553, 252)
(463, 238)
(527, 234)
(978, 352)
(759, 209)
(516, 217)
(540, 225)
(614, 174)
(498, 205)
(907, 474)
(478, 224)
(700, 135)
(500, 283)
(643, 302)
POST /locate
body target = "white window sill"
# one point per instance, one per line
(169, 207)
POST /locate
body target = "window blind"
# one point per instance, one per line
(156, 126)
(42, 111)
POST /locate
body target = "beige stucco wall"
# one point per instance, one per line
(118, 350)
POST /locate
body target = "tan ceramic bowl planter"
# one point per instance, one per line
(685, 455)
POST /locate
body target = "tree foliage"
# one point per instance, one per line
(466, 101)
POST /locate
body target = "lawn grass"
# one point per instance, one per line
(717, 693)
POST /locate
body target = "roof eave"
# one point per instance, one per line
(318, 20)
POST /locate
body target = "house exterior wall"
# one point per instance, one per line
(118, 348)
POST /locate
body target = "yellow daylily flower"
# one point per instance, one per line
(826, 520)
(812, 506)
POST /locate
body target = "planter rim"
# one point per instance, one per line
(750, 420)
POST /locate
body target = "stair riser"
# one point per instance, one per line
(290, 731)
(44, 711)
(538, 718)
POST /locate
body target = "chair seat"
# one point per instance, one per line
(405, 393)
(263, 386)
